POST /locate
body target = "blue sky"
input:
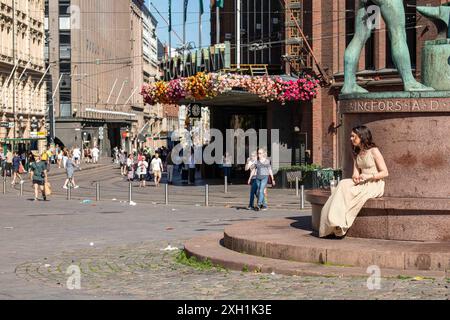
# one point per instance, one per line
(177, 21)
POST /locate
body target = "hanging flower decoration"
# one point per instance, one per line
(176, 91)
(209, 85)
(198, 87)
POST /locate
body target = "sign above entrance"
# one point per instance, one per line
(7, 125)
(214, 58)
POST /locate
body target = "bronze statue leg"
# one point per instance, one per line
(353, 51)
(393, 13)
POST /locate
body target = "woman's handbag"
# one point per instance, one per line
(48, 189)
(21, 169)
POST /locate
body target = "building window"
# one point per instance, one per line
(350, 13)
(64, 8)
(64, 38)
(370, 52)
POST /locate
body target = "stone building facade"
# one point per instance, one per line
(22, 69)
(97, 48)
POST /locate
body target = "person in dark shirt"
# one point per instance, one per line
(38, 174)
(16, 165)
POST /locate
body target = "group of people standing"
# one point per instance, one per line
(144, 164)
(15, 164)
(38, 165)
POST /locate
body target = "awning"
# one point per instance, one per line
(116, 113)
(234, 97)
(21, 139)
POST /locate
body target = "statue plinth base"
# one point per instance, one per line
(413, 133)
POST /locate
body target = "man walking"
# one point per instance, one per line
(77, 155)
(251, 166)
(95, 154)
(157, 168)
(170, 167)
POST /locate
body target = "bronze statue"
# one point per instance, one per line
(393, 13)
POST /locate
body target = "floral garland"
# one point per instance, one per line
(209, 85)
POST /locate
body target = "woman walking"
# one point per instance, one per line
(263, 172)
(369, 172)
(17, 168)
(59, 158)
(130, 168)
(70, 170)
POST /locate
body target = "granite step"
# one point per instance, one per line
(291, 239)
(209, 247)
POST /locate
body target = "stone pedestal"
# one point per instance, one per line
(413, 133)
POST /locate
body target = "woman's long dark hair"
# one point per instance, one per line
(365, 135)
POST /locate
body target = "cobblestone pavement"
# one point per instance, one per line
(118, 248)
(144, 271)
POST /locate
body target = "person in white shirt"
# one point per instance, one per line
(65, 157)
(157, 168)
(76, 155)
(142, 171)
(60, 158)
(227, 166)
(95, 154)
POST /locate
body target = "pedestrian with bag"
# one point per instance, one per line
(17, 168)
(39, 178)
(130, 168)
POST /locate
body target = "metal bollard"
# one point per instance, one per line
(21, 188)
(130, 193)
(226, 184)
(207, 196)
(4, 185)
(297, 191)
(166, 192)
(302, 197)
(97, 191)
(69, 192)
